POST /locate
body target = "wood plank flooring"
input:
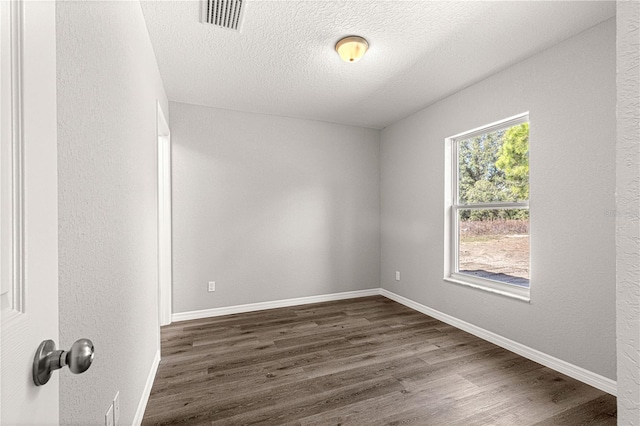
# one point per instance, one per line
(367, 361)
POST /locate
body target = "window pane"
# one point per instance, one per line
(494, 166)
(494, 244)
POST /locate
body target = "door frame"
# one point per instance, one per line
(164, 217)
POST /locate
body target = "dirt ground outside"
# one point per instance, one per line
(503, 256)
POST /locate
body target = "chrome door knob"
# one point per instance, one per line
(80, 356)
(48, 359)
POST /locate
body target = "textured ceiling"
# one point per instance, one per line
(284, 63)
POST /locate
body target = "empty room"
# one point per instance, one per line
(359, 212)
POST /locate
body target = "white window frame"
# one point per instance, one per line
(451, 215)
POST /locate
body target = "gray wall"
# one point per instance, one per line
(270, 207)
(569, 91)
(628, 212)
(108, 83)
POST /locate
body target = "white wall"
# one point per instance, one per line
(270, 207)
(108, 83)
(628, 212)
(569, 91)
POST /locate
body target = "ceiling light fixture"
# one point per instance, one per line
(352, 48)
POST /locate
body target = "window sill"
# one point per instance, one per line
(507, 290)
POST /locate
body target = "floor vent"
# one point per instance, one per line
(224, 13)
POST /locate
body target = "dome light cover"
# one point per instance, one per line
(352, 48)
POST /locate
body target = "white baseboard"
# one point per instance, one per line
(578, 373)
(142, 405)
(238, 309)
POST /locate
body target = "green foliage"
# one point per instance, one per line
(493, 214)
(494, 167)
(478, 174)
(514, 160)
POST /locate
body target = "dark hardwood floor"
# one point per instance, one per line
(367, 361)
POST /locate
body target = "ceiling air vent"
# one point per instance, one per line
(224, 13)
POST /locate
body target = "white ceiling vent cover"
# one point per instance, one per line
(224, 13)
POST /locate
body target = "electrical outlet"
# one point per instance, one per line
(397, 275)
(212, 286)
(108, 418)
(116, 409)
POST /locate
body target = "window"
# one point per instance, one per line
(488, 198)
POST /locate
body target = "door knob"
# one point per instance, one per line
(48, 359)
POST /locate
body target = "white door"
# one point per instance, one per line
(28, 213)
